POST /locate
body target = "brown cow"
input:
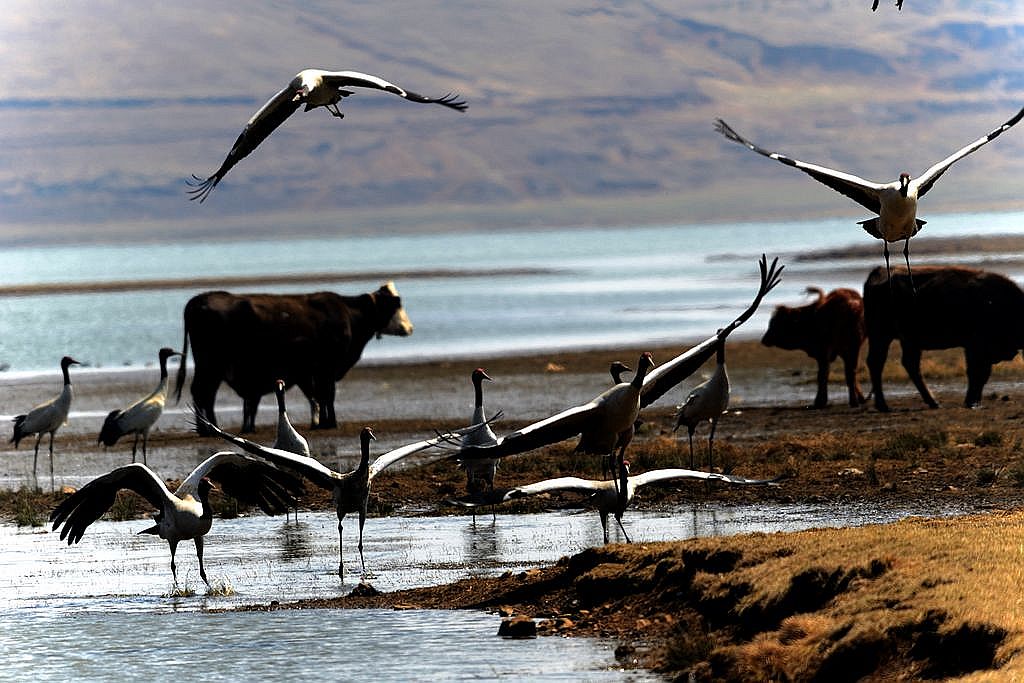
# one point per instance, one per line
(312, 340)
(982, 312)
(831, 327)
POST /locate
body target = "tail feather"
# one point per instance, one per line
(110, 432)
(19, 432)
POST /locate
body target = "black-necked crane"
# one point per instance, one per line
(605, 424)
(479, 471)
(46, 418)
(139, 417)
(186, 513)
(287, 439)
(654, 383)
(895, 202)
(616, 369)
(614, 496)
(706, 403)
(312, 88)
(351, 490)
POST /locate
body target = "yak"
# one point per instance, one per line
(953, 306)
(311, 340)
(830, 327)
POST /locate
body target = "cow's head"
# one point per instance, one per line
(389, 304)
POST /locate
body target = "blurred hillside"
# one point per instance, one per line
(580, 112)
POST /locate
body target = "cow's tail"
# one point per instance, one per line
(816, 290)
(182, 368)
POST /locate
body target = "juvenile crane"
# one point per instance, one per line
(895, 202)
(186, 513)
(351, 490)
(139, 417)
(312, 88)
(614, 496)
(706, 402)
(46, 418)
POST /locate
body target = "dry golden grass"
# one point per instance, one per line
(932, 598)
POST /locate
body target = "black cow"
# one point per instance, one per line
(830, 327)
(310, 340)
(953, 306)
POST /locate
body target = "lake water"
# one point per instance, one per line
(628, 286)
(101, 610)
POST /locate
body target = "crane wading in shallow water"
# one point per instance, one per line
(613, 496)
(479, 472)
(139, 417)
(46, 418)
(351, 490)
(186, 513)
(312, 88)
(895, 202)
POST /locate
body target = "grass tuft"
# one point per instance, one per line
(909, 445)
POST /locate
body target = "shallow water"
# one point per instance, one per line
(88, 611)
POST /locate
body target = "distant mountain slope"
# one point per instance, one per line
(106, 107)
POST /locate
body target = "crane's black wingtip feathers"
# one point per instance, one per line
(201, 188)
(1015, 119)
(725, 129)
(453, 101)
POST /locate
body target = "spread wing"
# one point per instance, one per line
(388, 459)
(264, 122)
(674, 473)
(559, 484)
(344, 79)
(667, 375)
(864, 192)
(928, 178)
(559, 427)
(247, 479)
(299, 464)
(89, 503)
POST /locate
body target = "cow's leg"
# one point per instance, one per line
(912, 364)
(878, 351)
(309, 392)
(850, 372)
(249, 408)
(979, 369)
(204, 393)
(325, 399)
(327, 408)
(821, 398)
